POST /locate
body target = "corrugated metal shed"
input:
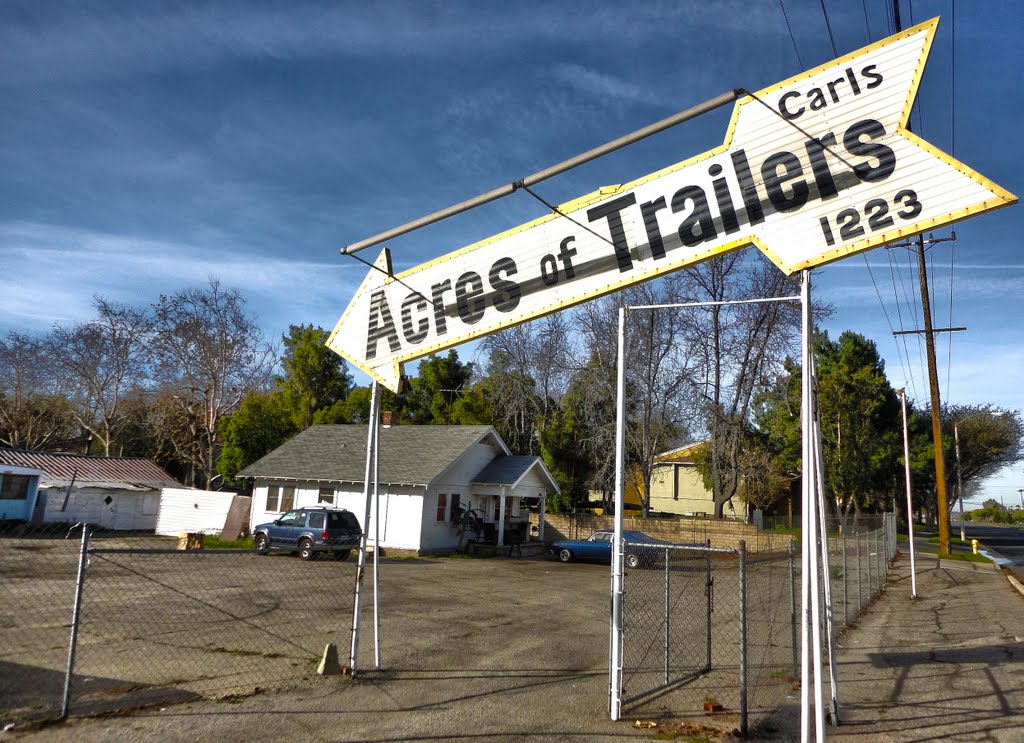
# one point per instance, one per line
(109, 473)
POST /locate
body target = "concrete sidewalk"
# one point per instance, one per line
(944, 666)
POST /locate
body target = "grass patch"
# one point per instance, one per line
(962, 556)
(463, 556)
(795, 530)
(216, 543)
(952, 540)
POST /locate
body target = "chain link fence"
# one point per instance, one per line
(716, 631)
(156, 625)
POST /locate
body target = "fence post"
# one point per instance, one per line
(871, 565)
(881, 560)
(743, 637)
(860, 581)
(846, 584)
(83, 557)
(709, 590)
(792, 604)
(668, 614)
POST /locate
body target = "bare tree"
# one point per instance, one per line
(98, 363)
(737, 350)
(32, 415)
(208, 353)
(527, 377)
(657, 375)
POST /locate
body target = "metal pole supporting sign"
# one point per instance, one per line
(371, 441)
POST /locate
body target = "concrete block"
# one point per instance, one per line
(329, 665)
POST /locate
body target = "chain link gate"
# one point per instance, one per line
(717, 623)
(668, 600)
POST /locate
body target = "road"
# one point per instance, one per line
(1005, 542)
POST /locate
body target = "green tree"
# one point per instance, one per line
(315, 378)
(860, 422)
(262, 423)
(565, 448)
(439, 383)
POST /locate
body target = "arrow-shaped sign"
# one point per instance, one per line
(813, 169)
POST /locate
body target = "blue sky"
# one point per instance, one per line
(148, 146)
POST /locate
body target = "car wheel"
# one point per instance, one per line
(262, 544)
(565, 555)
(341, 554)
(632, 561)
(306, 549)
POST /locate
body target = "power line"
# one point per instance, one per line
(828, 27)
(791, 36)
(905, 354)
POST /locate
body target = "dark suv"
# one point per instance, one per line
(308, 531)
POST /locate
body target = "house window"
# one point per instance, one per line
(456, 511)
(326, 496)
(14, 487)
(442, 506)
(280, 499)
(497, 509)
(515, 506)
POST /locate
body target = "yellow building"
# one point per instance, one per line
(677, 487)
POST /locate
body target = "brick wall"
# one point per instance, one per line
(723, 534)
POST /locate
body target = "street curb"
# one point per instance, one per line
(1015, 583)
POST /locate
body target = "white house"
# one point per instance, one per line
(112, 492)
(428, 476)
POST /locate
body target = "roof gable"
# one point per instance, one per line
(683, 454)
(512, 470)
(409, 455)
(114, 473)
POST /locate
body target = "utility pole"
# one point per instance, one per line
(941, 506)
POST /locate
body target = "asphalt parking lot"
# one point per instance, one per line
(193, 644)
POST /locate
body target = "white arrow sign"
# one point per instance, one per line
(813, 169)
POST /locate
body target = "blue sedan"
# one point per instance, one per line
(598, 548)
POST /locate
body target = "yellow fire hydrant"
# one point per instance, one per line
(974, 545)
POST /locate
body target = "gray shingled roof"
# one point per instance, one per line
(409, 455)
(508, 471)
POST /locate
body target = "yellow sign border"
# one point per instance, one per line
(1002, 198)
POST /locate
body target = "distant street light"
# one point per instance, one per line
(959, 479)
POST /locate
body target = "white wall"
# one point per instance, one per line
(400, 508)
(128, 511)
(182, 509)
(456, 479)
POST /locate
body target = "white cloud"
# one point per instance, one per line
(605, 86)
(50, 273)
